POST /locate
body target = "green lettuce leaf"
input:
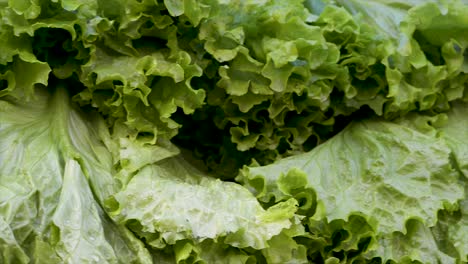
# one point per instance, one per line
(422, 71)
(451, 229)
(453, 226)
(372, 169)
(288, 78)
(358, 106)
(376, 167)
(452, 127)
(55, 176)
(455, 132)
(141, 91)
(283, 248)
(170, 201)
(339, 240)
(210, 252)
(416, 244)
(62, 170)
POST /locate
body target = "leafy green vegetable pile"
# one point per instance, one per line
(234, 131)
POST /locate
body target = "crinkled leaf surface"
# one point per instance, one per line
(175, 201)
(453, 226)
(381, 170)
(236, 83)
(374, 169)
(54, 178)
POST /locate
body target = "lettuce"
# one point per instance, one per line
(299, 131)
(59, 180)
(393, 178)
(55, 176)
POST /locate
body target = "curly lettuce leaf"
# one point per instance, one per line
(126, 62)
(283, 248)
(289, 78)
(386, 173)
(251, 82)
(374, 168)
(416, 244)
(60, 176)
(338, 240)
(452, 127)
(422, 71)
(275, 63)
(141, 91)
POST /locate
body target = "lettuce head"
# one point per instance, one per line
(258, 131)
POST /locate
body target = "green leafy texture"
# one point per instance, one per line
(270, 79)
(338, 240)
(450, 231)
(173, 201)
(12, 46)
(374, 168)
(210, 252)
(75, 42)
(17, 56)
(455, 132)
(302, 67)
(44, 41)
(453, 226)
(265, 97)
(11, 250)
(54, 176)
(361, 52)
(407, 169)
(286, 74)
(416, 244)
(284, 249)
(142, 91)
(203, 139)
(144, 86)
(422, 71)
(277, 69)
(20, 86)
(195, 11)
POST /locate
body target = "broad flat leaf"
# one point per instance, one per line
(55, 176)
(383, 171)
